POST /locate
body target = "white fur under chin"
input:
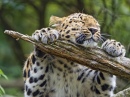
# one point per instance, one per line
(89, 44)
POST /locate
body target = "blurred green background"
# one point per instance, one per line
(25, 16)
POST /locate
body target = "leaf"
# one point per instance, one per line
(2, 91)
(2, 74)
(5, 76)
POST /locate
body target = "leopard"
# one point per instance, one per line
(47, 75)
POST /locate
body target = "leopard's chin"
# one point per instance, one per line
(89, 43)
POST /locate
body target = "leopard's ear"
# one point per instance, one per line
(55, 21)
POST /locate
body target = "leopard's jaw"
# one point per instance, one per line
(90, 43)
(86, 42)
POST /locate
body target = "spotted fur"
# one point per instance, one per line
(46, 75)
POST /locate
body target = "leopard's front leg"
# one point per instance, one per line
(114, 48)
(105, 83)
(45, 35)
(35, 70)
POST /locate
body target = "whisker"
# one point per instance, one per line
(103, 34)
(101, 41)
(103, 38)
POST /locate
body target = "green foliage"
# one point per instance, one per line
(2, 74)
(2, 91)
(14, 91)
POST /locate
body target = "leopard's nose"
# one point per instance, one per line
(92, 30)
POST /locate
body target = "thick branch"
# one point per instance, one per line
(94, 58)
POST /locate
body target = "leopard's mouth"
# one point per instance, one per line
(82, 38)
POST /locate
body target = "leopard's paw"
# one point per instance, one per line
(46, 35)
(113, 48)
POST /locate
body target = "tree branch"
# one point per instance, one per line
(94, 58)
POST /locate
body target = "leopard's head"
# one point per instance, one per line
(78, 28)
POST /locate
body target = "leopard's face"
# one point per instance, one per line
(80, 29)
